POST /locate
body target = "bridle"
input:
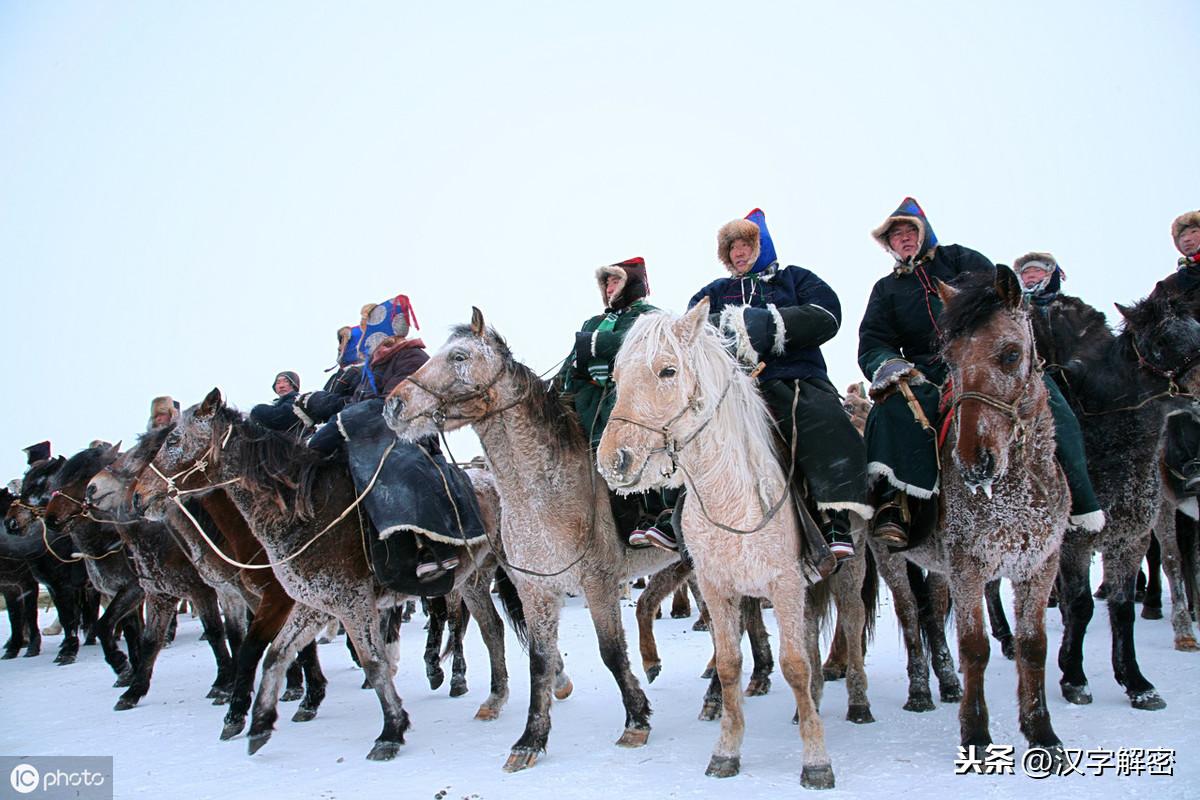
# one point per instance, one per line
(200, 465)
(1172, 376)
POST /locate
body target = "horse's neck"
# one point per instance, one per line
(523, 454)
(228, 518)
(744, 473)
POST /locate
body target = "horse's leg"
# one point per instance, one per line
(661, 584)
(934, 616)
(301, 628)
(1120, 573)
(1077, 605)
(66, 603)
(371, 639)
(273, 609)
(459, 620)
(973, 650)
(834, 668)
(760, 647)
(479, 602)
(1029, 606)
(795, 626)
(894, 570)
(1172, 561)
(89, 614)
(601, 594)
(160, 610)
(725, 619)
(701, 623)
(681, 605)
(34, 637)
(433, 641)
(1152, 601)
(204, 601)
(541, 616)
(851, 629)
(126, 601)
(1001, 631)
(314, 682)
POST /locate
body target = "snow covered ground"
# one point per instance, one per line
(168, 745)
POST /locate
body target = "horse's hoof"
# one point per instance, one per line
(1186, 644)
(700, 626)
(1149, 700)
(304, 714)
(859, 714)
(1008, 648)
(232, 728)
(384, 751)
(708, 673)
(563, 690)
(436, 678)
(458, 687)
(723, 766)
(9, 654)
(634, 737)
(1151, 612)
(219, 697)
(64, 659)
(796, 717)
(520, 758)
(125, 703)
(124, 678)
(256, 741)
(487, 714)
(366, 684)
(833, 673)
(1078, 695)
(757, 687)
(291, 694)
(919, 703)
(652, 672)
(950, 694)
(710, 711)
(33, 652)
(680, 614)
(817, 777)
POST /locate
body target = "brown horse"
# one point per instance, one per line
(559, 534)
(296, 502)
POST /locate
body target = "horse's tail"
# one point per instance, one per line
(819, 605)
(870, 593)
(513, 609)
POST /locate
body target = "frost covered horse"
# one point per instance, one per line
(1004, 498)
(295, 502)
(686, 414)
(559, 534)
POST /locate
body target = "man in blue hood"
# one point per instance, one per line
(778, 318)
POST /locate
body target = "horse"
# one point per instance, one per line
(559, 534)
(20, 590)
(687, 415)
(1004, 500)
(1122, 404)
(111, 492)
(297, 504)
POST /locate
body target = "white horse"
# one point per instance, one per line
(686, 414)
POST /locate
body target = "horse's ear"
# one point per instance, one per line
(212, 403)
(945, 291)
(476, 321)
(688, 327)
(116, 448)
(1124, 311)
(1008, 287)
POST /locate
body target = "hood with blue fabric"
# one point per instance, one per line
(910, 211)
(753, 231)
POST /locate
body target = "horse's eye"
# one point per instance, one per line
(667, 372)
(458, 356)
(1010, 356)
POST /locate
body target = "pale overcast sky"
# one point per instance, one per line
(199, 194)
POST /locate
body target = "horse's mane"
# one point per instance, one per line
(39, 474)
(274, 462)
(742, 420)
(971, 307)
(545, 403)
(82, 466)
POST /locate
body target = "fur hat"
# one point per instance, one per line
(1034, 258)
(37, 452)
(292, 377)
(1188, 220)
(909, 211)
(733, 230)
(164, 404)
(635, 284)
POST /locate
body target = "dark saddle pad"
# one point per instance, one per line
(419, 501)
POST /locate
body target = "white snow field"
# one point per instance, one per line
(168, 746)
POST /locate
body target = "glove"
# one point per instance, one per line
(890, 373)
(583, 351)
(755, 332)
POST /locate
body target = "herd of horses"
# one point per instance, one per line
(266, 540)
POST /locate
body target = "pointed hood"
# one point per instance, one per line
(635, 284)
(753, 229)
(908, 211)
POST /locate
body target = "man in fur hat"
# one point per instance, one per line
(163, 411)
(1185, 231)
(586, 377)
(278, 415)
(778, 318)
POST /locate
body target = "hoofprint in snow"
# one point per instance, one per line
(168, 746)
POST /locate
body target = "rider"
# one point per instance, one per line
(278, 415)
(778, 318)
(37, 452)
(163, 411)
(314, 408)
(586, 377)
(1182, 455)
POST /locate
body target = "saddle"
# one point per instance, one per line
(416, 502)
